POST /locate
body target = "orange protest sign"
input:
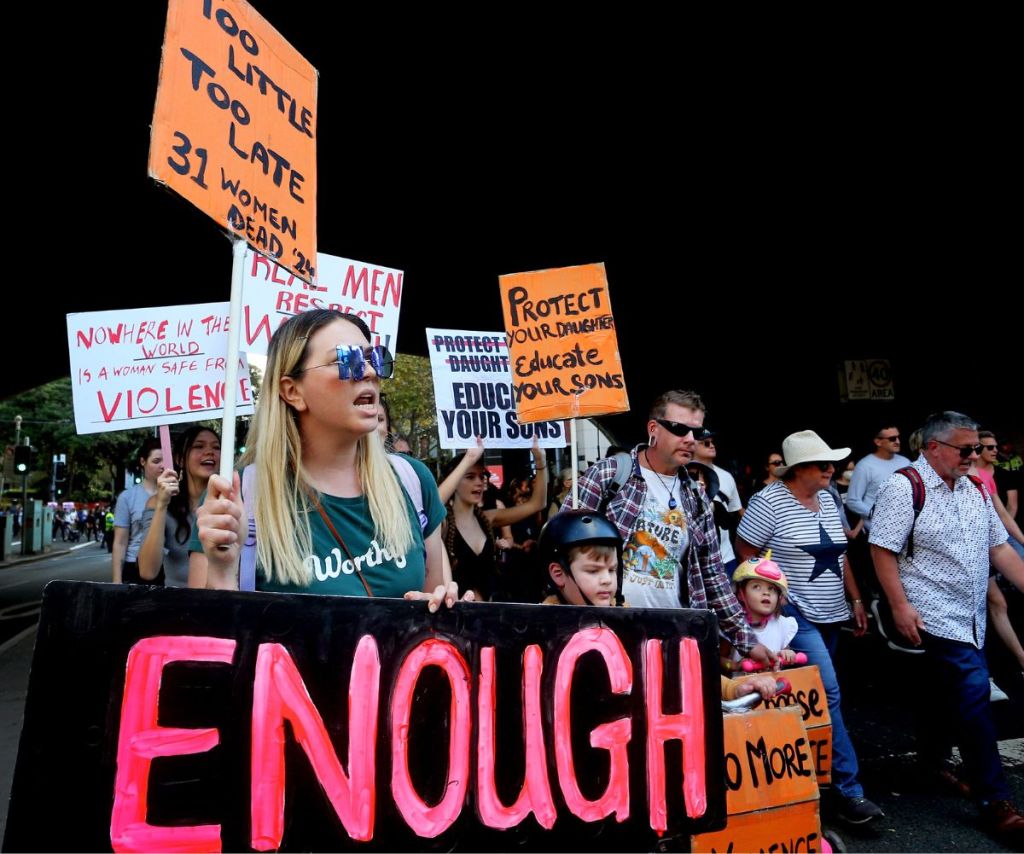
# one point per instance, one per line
(562, 344)
(808, 695)
(768, 761)
(234, 128)
(794, 828)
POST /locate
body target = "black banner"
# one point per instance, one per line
(163, 719)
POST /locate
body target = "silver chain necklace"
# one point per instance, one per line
(669, 488)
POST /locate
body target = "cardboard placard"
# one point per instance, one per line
(562, 346)
(234, 127)
(145, 367)
(808, 695)
(768, 761)
(473, 393)
(271, 294)
(795, 828)
(194, 720)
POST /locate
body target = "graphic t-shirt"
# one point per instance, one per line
(333, 573)
(655, 552)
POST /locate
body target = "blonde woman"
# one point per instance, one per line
(332, 517)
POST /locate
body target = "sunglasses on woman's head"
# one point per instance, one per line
(352, 361)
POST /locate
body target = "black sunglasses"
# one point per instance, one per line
(678, 428)
(965, 450)
(895, 438)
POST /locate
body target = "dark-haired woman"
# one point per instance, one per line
(130, 518)
(469, 529)
(197, 457)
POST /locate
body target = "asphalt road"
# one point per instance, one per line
(874, 680)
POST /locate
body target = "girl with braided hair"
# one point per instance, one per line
(469, 530)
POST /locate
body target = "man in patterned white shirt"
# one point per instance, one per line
(935, 572)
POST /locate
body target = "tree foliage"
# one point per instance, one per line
(410, 397)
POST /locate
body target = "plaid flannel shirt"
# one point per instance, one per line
(707, 582)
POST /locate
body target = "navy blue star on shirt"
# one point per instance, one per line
(826, 554)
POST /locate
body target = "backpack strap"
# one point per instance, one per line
(247, 560)
(622, 468)
(980, 484)
(917, 496)
(410, 480)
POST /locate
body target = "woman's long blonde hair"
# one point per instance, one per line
(282, 505)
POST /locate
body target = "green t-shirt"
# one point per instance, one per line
(333, 574)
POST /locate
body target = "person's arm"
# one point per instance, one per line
(1009, 563)
(1006, 517)
(856, 493)
(437, 589)
(446, 489)
(197, 570)
(219, 521)
(1011, 503)
(1000, 620)
(745, 551)
(118, 551)
(721, 597)
(538, 496)
(908, 621)
(151, 553)
(860, 615)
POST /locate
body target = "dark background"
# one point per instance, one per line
(767, 205)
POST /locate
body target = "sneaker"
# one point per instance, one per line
(856, 810)
(996, 693)
(1001, 819)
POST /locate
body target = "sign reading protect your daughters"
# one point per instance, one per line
(234, 128)
(563, 352)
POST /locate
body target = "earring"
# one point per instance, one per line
(653, 442)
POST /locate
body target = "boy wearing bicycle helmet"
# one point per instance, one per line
(582, 552)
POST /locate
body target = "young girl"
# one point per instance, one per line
(761, 588)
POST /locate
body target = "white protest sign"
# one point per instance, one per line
(150, 366)
(270, 295)
(473, 393)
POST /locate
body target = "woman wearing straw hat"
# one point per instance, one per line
(798, 520)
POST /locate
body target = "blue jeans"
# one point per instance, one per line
(954, 708)
(819, 642)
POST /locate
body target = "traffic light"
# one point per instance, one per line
(61, 472)
(22, 458)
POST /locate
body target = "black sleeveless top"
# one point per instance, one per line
(472, 571)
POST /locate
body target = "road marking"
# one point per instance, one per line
(18, 638)
(82, 546)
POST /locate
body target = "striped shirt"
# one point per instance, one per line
(809, 547)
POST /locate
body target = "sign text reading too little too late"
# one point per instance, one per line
(234, 128)
(371, 720)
